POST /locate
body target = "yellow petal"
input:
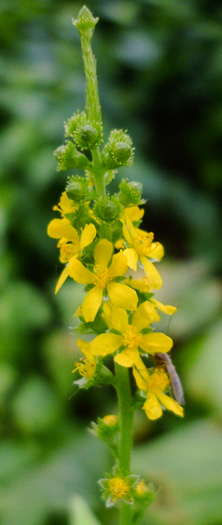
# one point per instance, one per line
(103, 252)
(127, 357)
(105, 344)
(122, 295)
(171, 404)
(62, 279)
(119, 244)
(118, 266)
(91, 303)
(151, 272)
(156, 251)
(132, 258)
(115, 316)
(126, 233)
(66, 204)
(84, 347)
(134, 213)
(143, 316)
(58, 228)
(88, 235)
(78, 272)
(165, 308)
(152, 407)
(159, 381)
(132, 230)
(141, 376)
(156, 342)
(142, 285)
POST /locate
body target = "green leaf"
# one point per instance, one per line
(80, 513)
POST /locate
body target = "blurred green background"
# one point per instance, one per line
(160, 77)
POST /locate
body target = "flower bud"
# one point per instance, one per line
(130, 193)
(69, 158)
(78, 189)
(107, 209)
(106, 428)
(86, 134)
(85, 22)
(122, 152)
(143, 493)
(118, 151)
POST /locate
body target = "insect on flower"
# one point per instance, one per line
(162, 359)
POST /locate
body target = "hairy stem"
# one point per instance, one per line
(126, 421)
(93, 109)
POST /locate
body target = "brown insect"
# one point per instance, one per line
(165, 360)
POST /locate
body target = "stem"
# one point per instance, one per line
(98, 173)
(126, 421)
(93, 109)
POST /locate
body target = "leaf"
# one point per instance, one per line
(80, 513)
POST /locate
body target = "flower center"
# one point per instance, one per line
(131, 337)
(118, 488)
(85, 368)
(102, 276)
(67, 251)
(158, 381)
(143, 242)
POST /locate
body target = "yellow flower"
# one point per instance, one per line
(110, 420)
(142, 248)
(87, 366)
(130, 337)
(141, 488)
(155, 385)
(119, 488)
(103, 278)
(70, 244)
(65, 205)
(134, 213)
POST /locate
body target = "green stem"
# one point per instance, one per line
(93, 109)
(98, 173)
(126, 421)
